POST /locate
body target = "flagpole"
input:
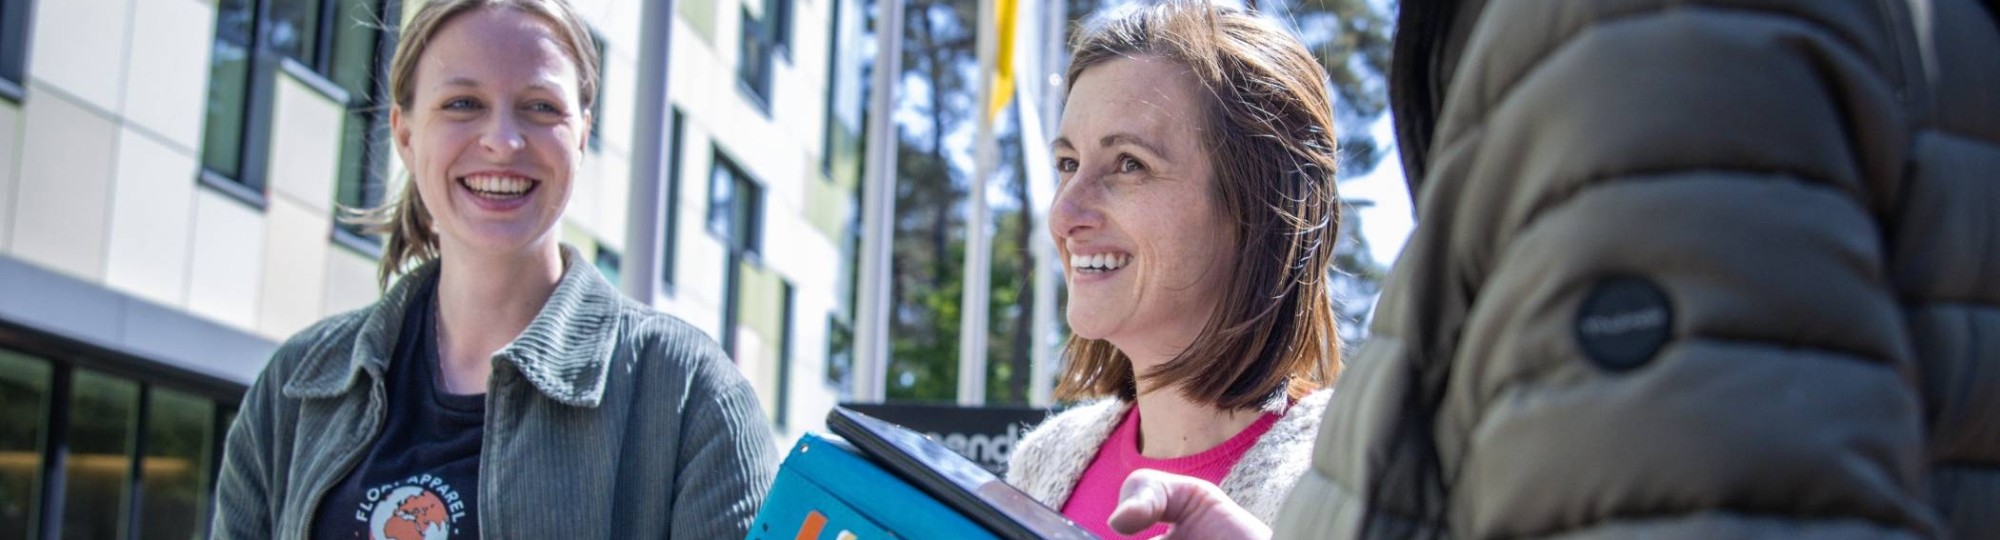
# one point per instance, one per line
(1039, 89)
(871, 335)
(973, 298)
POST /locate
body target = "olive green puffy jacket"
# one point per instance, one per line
(1683, 269)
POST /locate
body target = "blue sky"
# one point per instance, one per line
(1387, 222)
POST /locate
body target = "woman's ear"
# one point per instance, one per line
(399, 131)
(583, 143)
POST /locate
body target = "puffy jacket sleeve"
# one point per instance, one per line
(1649, 294)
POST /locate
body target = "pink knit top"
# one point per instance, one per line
(1096, 494)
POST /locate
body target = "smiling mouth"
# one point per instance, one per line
(499, 188)
(1099, 263)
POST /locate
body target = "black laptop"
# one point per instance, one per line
(952, 479)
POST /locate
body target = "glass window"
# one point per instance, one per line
(340, 42)
(608, 263)
(355, 28)
(101, 416)
(24, 397)
(364, 160)
(669, 237)
(228, 88)
(180, 435)
(754, 56)
(14, 25)
(735, 207)
(839, 353)
(748, 216)
(359, 66)
(784, 397)
(293, 29)
(597, 101)
(721, 194)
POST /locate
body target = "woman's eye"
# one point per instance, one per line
(1129, 164)
(544, 107)
(461, 104)
(1065, 165)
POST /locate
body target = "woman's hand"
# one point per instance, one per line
(1191, 507)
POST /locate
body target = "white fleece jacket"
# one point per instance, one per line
(1050, 459)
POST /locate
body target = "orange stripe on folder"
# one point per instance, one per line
(814, 522)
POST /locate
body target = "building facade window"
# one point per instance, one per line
(97, 472)
(840, 144)
(360, 66)
(95, 454)
(24, 403)
(669, 237)
(174, 475)
(15, 20)
(784, 393)
(735, 215)
(765, 39)
(597, 103)
(331, 45)
(735, 207)
(608, 263)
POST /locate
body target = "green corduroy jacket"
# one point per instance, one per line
(604, 419)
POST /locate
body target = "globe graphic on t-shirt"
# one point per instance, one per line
(410, 513)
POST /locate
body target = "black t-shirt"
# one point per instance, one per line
(421, 480)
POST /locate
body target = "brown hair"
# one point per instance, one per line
(405, 221)
(1268, 124)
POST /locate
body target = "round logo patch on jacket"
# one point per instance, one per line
(1623, 321)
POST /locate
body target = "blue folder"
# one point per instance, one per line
(825, 487)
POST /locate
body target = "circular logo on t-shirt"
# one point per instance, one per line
(410, 513)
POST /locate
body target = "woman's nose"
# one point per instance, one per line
(503, 135)
(1076, 208)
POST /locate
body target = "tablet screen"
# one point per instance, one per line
(953, 479)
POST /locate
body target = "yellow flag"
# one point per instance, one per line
(1002, 92)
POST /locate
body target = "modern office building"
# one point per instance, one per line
(171, 173)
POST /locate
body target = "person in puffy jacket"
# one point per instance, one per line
(1711, 269)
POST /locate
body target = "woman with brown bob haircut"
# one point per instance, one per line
(1196, 217)
(501, 388)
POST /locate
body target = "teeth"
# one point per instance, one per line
(501, 185)
(1102, 262)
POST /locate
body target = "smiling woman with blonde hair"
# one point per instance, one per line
(1197, 215)
(501, 387)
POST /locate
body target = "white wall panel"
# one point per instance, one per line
(152, 219)
(62, 204)
(226, 270)
(305, 145)
(294, 266)
(167, 87)
(350, 282)
(79, 46)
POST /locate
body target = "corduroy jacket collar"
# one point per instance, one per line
(565, 352)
